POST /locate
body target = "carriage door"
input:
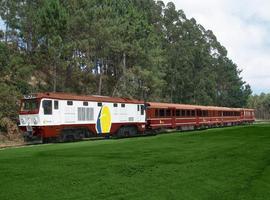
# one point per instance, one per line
(198, 114)
(242, 114)
(173, 110)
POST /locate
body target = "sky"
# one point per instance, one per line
(243, 27)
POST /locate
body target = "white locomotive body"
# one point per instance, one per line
(61, 115)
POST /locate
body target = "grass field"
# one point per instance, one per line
(229, 163)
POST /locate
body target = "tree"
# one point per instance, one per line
(129, 48)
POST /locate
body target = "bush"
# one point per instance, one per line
(11, 130)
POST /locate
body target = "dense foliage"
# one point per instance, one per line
(261, 104)
(132, 48)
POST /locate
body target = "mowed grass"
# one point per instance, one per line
(227, 163)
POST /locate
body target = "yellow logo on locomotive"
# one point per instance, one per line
(104, 120)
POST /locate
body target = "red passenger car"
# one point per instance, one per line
(189, 117)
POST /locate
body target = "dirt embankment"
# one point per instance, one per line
(9, 133)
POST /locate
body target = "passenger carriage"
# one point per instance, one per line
(189, 117)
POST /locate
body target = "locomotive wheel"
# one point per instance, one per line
(74, 134)
(127, 131)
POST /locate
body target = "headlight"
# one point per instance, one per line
(22, 121)
(35, 120)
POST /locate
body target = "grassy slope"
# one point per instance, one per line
(231, 163)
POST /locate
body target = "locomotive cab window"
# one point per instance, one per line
(47, 107)
(56, 105)
(85, 103)
(115, 105)
(123, 105)
(142, 109)
(99, 104)
(69, 103)
(29, 105)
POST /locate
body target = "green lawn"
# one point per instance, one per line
(228, 163)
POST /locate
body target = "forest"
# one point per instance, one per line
(261, 104)
(140, 49)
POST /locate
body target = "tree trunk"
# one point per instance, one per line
(100, 78)
(100, 84)
(54, 76)
(122, 77)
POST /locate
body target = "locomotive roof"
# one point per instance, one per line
(69, 96)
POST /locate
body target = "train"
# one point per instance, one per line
(54, 116)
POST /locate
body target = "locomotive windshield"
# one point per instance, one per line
(29, 105)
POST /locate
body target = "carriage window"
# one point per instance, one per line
(47, 107)
(85, 103)
(69, 103)
(138, 107)
(183, 113)
(177, 113)
(161, 112)
(199, 112)
(193, 113)
(168, 112)
(115, 105)
(123, 105)
(56, 105)
(99, 104)
(188, 113)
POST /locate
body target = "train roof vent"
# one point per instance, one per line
(100, 96)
